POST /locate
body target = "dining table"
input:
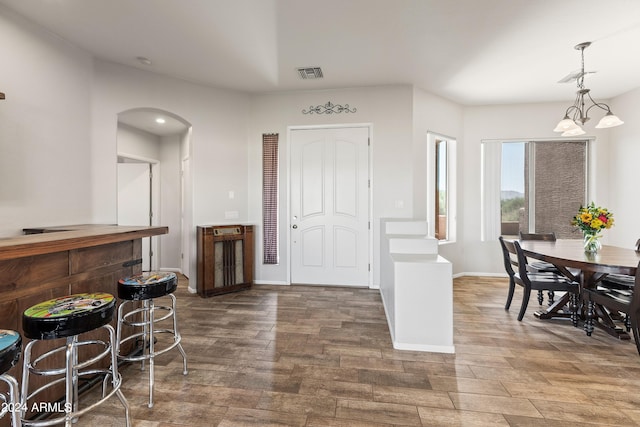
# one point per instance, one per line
(588, 269)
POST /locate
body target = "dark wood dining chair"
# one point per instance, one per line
(550, 237)
(623, 301)
(509, 263)
(620, 285)
(542, 266)
(620, 281)
(514, 257)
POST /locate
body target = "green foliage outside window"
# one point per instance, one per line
(510, 209)
(442, 205)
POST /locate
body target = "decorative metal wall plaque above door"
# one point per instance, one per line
(329, 108)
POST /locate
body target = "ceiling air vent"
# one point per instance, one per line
(310, 73)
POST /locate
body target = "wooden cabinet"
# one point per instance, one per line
(225, 258)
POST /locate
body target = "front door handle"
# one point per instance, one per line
(294, 226)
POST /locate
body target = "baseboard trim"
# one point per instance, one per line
(430, 348)
(455, 276)
(271, 282)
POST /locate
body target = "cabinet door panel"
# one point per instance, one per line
(87, 259)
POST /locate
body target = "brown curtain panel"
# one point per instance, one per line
(270, 198)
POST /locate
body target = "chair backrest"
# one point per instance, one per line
(522, 263)
(635, 299)
(550, 237)
(509, 256)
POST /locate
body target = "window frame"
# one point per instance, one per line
(433, 140)
(491, 185)
(270, 199)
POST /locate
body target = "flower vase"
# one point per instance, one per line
(592, 243)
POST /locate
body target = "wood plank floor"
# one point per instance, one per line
(322, 356)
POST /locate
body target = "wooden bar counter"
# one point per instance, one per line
(54, 263)
(38, 267)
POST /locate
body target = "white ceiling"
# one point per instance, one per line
(470, 51)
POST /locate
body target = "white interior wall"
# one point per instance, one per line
(137, 143)
(141, 146)
(387, 109)
(186, 189)
(434, 114)
(166, 151)
(218, 140)
(44, 128)
(170, 199)
(185, 146)
(624, 149)
(514, 122)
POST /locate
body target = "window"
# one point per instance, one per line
(441, 200)
(512, 200)
(533, 186)
(270, 198)
(440, 185)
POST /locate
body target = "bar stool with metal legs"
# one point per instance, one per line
(146, 287)
(10, 348)
(68, 317)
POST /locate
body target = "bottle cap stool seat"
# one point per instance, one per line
(67, 316)
(10, 348)
(147, 286)
(138, 294)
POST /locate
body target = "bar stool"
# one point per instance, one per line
(146, 287)
(10, 348)
(67, 317)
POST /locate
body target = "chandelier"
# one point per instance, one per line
(579, 112)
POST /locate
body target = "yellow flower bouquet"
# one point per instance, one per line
(591, 220)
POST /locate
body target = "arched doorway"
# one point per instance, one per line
(154, 187)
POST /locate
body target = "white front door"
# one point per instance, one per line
(330, 206)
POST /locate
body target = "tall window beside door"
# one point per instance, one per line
(270, 198)
(441, 186)
(441, 199)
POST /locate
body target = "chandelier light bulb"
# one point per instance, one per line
(565, 125)
(574, 132)
(608, 121)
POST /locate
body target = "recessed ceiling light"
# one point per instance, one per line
(143, 60)
(160, 120)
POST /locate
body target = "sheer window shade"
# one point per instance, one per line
(490, 192)
(270, 198)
